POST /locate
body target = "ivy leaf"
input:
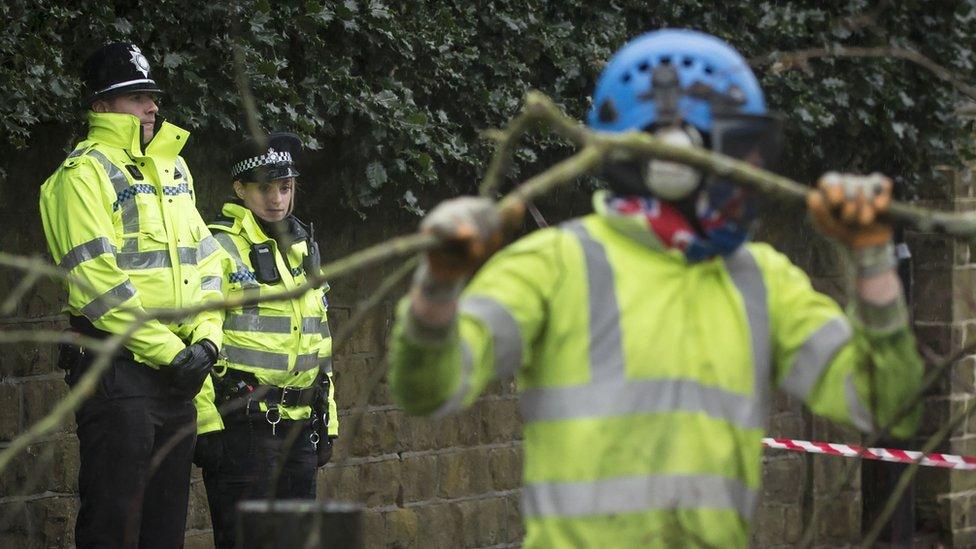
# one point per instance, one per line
(410, 201)
(123, 25)
(173, 60)
(375, 175)
(386, 98)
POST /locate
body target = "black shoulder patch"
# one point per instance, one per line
(134, 171)
(223, 221)
(71, 160)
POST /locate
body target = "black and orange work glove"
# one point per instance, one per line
(847, 206)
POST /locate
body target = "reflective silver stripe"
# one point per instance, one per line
(211, 283)
(227, 243)
(812, 358)
(638, 493)
(258, 323)
(325, 364)
(506, 335)
(251, 288)
(155, 259)
(181, 168)
(130, 245)
(455, 402)
(255, 358)
(306, 362)
(606, 349)
(130, 211)
(188, 256)
(748, 279)
(860, 416)
(109, 300)
(135, 261)
(84, 252)
(325, 331)
(206, 248)
(608, 399)
(311, 325)
(127, 83)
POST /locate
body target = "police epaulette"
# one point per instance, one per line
(71, 160)
(223, 221)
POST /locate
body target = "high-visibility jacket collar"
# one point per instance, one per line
(124, 132)
(254, 230)
(249, 225)
(633, 226)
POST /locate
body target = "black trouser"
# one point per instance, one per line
(132, 421)
(251, 456)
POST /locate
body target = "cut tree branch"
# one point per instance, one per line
(800, 58)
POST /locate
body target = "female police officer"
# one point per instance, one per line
(274, 373)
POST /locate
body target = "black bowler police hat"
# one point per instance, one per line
(115, 69)
(252, 163)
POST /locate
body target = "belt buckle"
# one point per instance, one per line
(286, 395)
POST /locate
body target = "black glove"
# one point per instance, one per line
(192, 365)
(320, 420)
(324, 451)
(209, 451)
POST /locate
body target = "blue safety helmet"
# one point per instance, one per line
(625, 100)
(692, 89)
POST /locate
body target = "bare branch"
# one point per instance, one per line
(26, 283)
(786, 60)
(84, 388)
(906, 477)
(53, 336)
(243, 82)
(941, 366)
(40, 266)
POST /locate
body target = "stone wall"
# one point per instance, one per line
(795, 486)
(945, 292)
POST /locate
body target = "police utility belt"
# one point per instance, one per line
(243, 385)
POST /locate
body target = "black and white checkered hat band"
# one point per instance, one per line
(267, 159)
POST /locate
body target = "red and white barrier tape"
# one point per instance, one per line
(948, 461)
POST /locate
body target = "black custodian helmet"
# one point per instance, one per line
(115, 69)
(252, 163)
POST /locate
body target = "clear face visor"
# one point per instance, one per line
(753, 139)
(756, 139)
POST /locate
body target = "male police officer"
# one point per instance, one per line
(119, 216)
(648, 336)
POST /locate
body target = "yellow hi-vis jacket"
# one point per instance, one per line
(283, 343)
(122, 221)
(645, 380)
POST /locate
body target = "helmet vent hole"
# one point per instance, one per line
(666, 60)
(708, 69)
(687, 62)
(643, 66)
(626, 78)
(607, 114)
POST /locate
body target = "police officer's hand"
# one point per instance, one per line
(324, 451)
(847, 206)
(472, 231)
(209, 450)
(192, 365)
